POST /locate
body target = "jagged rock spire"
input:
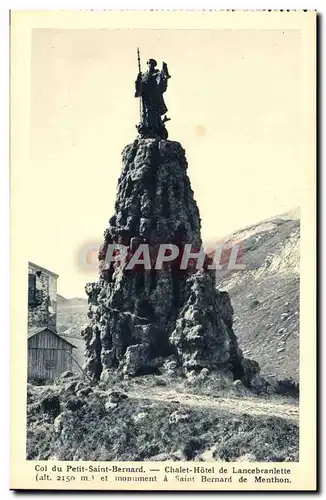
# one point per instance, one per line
(141, 315)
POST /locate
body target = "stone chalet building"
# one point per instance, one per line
(49, 354)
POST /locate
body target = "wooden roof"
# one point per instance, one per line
(35, 330)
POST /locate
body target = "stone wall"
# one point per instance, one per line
(42, 302)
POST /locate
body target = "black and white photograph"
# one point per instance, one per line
(162, 219)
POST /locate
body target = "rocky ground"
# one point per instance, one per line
(159, 418)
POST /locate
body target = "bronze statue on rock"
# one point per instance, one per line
(141, 319)
(150, 87)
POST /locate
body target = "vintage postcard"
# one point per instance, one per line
(163, 230)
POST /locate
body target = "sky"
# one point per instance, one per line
(234, 100)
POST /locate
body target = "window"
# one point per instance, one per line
(31, 289)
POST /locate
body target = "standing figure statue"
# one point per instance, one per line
(150, 87)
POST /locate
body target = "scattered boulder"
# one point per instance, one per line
(250, 369)
(50, 404)
(240, 388)
(61, 420)
(116, 397)
(106, 377)
(82, 393)
(192, 448)
(110, 406)
(100, 394)
(67, 374)
(287, 386)
(209, 455)
(259, 384)
(136, 359)
(139, 417)
(204, 373)
(170, 366)
(81, 385)
(177, 417)
(30, 392)
(74, 403)
(70, 387)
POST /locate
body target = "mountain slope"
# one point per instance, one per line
(72, 315)
(265, 295)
